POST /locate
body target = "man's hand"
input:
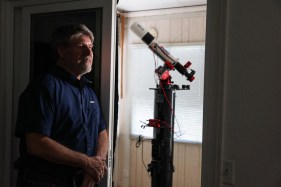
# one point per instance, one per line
(43, 147)
(96, 168)
(46, 148)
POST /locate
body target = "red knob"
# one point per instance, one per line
(187, 65)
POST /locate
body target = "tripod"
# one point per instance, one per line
(161, 166)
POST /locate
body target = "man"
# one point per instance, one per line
(63, 138)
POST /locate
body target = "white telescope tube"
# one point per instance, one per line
(160, 51)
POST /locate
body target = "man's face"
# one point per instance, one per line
(77, 58)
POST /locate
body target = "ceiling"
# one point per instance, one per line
(141, 5)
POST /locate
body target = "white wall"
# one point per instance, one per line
(252, 95)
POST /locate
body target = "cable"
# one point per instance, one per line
(173, 112)
(140, 139)
(138, 143)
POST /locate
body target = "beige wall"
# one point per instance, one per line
(187, 163)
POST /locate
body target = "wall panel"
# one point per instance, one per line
(187, 163)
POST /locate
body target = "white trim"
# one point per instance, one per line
(166, 11)
(136, 137)
(112, 94)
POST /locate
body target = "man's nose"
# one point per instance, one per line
(88, 50)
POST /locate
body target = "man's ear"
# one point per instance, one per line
(61, 51)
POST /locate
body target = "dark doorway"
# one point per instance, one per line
(42, 27)
(41, 55)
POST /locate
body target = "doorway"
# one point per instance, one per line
(33, 24)
(182, 32)
(43, 25)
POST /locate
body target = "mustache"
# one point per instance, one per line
(88, 59)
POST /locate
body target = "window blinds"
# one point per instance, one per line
(140, 99)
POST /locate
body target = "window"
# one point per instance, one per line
(188, 103)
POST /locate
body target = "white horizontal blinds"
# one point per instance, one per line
(189, 103)
(140, 78)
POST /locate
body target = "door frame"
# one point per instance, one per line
(213, 114)
(15, 49)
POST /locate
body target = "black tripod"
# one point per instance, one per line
(161, 166)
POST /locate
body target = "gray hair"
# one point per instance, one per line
(63, 35)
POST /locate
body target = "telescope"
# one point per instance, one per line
(171, 63)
